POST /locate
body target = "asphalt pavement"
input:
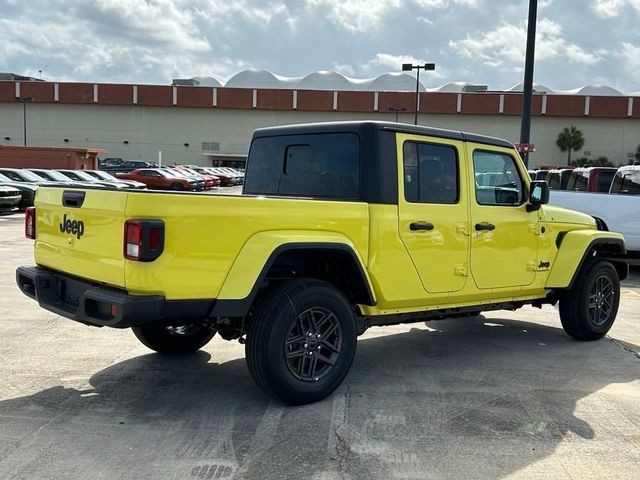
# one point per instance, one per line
(503, 395)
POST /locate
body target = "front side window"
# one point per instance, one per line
(497, 181)
(430, 173)
(626, 183)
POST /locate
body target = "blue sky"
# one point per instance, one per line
(482, 41)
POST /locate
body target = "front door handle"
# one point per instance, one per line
(485, 226)
(421, 226)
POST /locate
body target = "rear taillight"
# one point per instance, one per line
(143, 240)
(132, 240)
(30, 223)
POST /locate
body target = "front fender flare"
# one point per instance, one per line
(575, 248)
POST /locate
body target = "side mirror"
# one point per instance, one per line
(539, 194)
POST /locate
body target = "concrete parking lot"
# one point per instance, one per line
(504, 395)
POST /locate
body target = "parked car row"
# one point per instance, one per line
(27, 180)
(18, 186)
(623, 180)
(184, 177)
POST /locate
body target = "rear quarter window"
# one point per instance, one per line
(604, 180)
(318, 165)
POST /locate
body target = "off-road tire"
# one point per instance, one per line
(169, 340)
(277, 323)
(578, 319)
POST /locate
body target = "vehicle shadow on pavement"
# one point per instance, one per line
(460, 398)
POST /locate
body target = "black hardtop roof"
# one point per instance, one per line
(362, 125)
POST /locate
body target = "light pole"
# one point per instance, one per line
(24, 101)
(407, 67)
(527, 88)
(394, 109)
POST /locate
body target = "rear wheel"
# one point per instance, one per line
(177, 186)
(301, 341)
(589, 308)
(174, 340)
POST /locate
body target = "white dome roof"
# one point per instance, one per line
(451, 87)
(599, 90)
(387, 82)
(537, 87)
(207, 81)
(254, 79)
(395, 82)
(326, 80)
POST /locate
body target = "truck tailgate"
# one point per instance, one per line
(80, 232)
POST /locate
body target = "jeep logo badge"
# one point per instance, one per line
(76, 227)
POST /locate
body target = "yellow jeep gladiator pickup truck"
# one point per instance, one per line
(340, 226)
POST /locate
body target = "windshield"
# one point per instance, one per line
(4, 178)
(175, 173)
(22, 175)
(56, 175)
(81, 175)
(101, 175)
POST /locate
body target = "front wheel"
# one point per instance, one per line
(174, 340)
(589, 308)
(177, 186)
(301, 341)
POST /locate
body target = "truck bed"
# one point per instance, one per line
(203, 235)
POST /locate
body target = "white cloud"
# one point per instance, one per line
(356, 15)
(630, 56)
(612, 8)
(359, 16)
(388, 62)
(505, 46)
(445, 3)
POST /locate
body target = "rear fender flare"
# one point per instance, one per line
(259, 253)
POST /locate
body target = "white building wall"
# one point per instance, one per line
(149, 129)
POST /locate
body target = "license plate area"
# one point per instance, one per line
(62, 293)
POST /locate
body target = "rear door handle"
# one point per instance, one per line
(485, 226)
(421, 226)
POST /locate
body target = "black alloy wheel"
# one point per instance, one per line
(301, 340)
(601, 298)
(588, 309)
(313, 344)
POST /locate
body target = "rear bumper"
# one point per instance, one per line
(94, 304)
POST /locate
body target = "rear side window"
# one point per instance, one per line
(319, 165)
(578, 181)
(430, 173)
(604, 180)
(497, 181)
(542, 174)
(554, 180)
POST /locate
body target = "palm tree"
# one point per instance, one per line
(570, 138)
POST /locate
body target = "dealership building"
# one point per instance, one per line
(201, 121)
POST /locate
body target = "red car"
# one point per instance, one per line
(158, 179)
(591, 179)
(210, 181)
